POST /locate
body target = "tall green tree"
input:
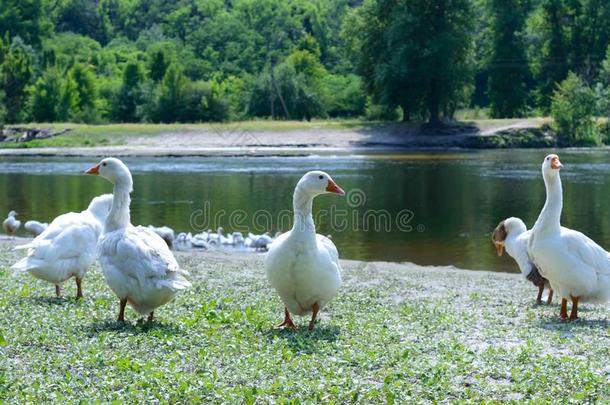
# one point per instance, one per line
(414, 54)
(46, 96)
(129, 96)
(24, 19)
(16, 73)
(157, 64)
(172, 91)
(84, 80)
(567, 35)
(507, 66)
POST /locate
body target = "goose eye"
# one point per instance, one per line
(104, 164)
(320, 177)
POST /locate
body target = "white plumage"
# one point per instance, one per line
(35, 227)
(136, 262)
(302, 266)
(11, 224)
(513, 235)
(67, 247)
(577, 267)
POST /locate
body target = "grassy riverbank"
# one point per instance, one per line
(317, 134)
(396, 332)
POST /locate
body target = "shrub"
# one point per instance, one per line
(573, 108)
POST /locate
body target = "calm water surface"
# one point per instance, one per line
(431, 209)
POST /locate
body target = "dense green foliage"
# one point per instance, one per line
(195, 60)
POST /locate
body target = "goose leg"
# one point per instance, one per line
(540, 291)
(57, 291)
(287, 321)
(151, 316)
(549, 299)
(563, 314)
(79, 288)
(314, 314)
(574, 313)
(123, 303)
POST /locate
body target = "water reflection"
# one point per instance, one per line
(456, 198)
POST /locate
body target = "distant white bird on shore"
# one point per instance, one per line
(513, 235)
(136, 262)
(238, 239)
(200, 241)
(11, 224)
(35, 227)
(67, 248)
(301, 265)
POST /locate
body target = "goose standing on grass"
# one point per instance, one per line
(67, 248)
(136, 262)
(35, 227)
(577, 267)
(513, 235)
(302, 266)
(11, 224)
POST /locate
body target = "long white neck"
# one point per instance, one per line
(119, 217)
(550, 216)
(303, 219)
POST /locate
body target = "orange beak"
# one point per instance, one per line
(499, 248)
(332, 187)
(555, 163)
(93, 170)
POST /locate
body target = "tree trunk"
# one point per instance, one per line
(406, 113)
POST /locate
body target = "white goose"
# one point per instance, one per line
(302, 266)
(67, 247)
(513, 235)
(35, 227)
(11, 224)
(577, 267)
(136, 262)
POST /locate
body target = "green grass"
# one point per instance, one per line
(394, 334)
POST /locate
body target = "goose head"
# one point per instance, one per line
(113, 170)
(509, 228)
(317, 182)
(12, 214)
(551, 166)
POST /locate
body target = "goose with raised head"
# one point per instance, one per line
(11, 224)
(136, 262)
(512, 235)
(67, 247)
(301, 265)
(577, 267)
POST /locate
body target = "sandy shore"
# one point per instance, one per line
(235, 140)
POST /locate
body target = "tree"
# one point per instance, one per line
(68, 108)
(171, 97)
(83, 83)
(157, 65)
(24, 19)
(573, 108)
(16, 71)
(567, 35)
(415, 54)
(46, 96)
(129, 95)
(507, 65)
